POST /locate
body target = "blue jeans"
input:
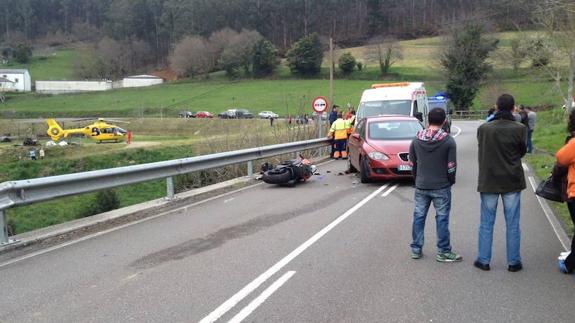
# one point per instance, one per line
(529, 141)
(442, 203)
(511, 209)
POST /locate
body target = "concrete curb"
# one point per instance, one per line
(56, 234)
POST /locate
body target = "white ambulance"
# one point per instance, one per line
(403, 98)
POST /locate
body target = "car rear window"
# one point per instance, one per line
(393, 130)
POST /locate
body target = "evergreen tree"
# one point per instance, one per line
(265, 58)
(465, 63)
(306, 55)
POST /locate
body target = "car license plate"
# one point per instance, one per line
(404, 168)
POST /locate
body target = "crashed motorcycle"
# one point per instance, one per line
(289, 172)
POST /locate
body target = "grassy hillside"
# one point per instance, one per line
(51, 65)
(283, 94)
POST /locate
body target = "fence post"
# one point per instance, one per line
(4, 240)
(250, 168)
(169, 188)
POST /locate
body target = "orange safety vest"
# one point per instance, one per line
(350, 126)
(339, 129)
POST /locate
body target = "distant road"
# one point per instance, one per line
(330, 250)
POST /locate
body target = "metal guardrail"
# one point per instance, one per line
(17, 193)
(465, 114)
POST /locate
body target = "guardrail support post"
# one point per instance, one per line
(169, 188)
(250, 168)
(4, 239)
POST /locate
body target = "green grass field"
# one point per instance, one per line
(56, 65)
(549, 137)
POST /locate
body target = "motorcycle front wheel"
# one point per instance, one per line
(277, 176)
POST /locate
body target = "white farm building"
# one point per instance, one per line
(61, 87)
(15, 80)
(141, 81)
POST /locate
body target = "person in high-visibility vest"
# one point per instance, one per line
(338, 132)
(350, 123)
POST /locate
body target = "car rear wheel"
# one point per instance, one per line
(364, 170)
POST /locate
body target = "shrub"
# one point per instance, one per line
(22, 53)
(104, 201)
(346, 63)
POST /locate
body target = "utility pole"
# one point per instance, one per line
(331, 66)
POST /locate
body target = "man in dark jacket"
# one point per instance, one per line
(333, 114)
(433, 155)
(502, 144)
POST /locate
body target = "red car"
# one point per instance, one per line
(204, 114)
(379, 147)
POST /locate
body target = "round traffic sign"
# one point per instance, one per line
(319, 104)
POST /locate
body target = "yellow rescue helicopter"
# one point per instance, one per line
(99, 131)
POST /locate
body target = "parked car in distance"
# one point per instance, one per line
(187, 114)
(228, 114)
(379, 147)
(204, 114)
(243, 114)
(267, 115)
(5, 138)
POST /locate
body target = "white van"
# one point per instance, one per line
(403, 98)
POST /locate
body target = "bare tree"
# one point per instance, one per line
(386, 51)
(219, 40)
(557, 17)
(239, 51)
(191, 56)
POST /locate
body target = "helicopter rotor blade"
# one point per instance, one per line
(116, 121)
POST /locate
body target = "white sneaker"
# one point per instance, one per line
(564, 255)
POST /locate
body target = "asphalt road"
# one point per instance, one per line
(330, 250)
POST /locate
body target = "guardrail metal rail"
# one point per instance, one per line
(23, 192)
(468, 114)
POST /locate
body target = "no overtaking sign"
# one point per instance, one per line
(320, 104)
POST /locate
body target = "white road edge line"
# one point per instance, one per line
(97, 234)
(458, 131)
(525, 167)
(563, 239)
(261, 298)
(391, 189)
(239, 296)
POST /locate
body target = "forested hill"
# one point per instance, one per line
(162, 23)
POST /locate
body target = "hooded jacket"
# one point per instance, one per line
(433, 154)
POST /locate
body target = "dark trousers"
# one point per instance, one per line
(570, 261)
(530, 141)
(340, 145)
